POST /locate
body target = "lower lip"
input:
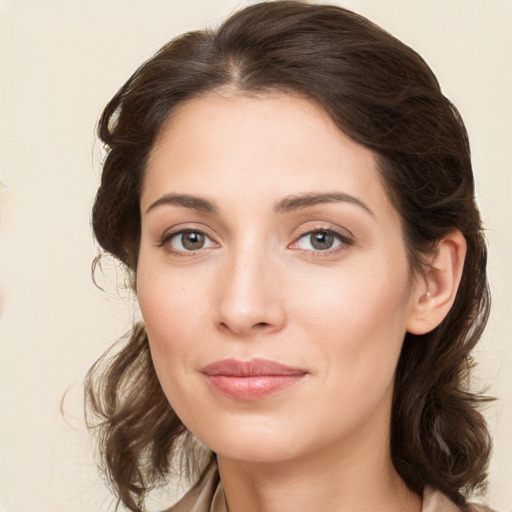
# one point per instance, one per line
(253, 387)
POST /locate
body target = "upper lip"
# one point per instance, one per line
(234, 368)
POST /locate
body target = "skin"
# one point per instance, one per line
(258, 288)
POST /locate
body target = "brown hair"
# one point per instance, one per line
(384, 96)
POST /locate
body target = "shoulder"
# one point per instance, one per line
(200, 497)
(436, 501)
(474, 507)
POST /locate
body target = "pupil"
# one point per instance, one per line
(193, 240)
(322, 240)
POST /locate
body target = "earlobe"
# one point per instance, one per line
(436, 289)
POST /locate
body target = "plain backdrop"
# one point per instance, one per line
(60, 62)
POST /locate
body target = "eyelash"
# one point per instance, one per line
(343, 239)
(165, 241)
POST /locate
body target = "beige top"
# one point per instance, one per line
(208, 496)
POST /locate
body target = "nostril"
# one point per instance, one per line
(227, 326)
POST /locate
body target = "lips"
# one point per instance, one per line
(251, 380)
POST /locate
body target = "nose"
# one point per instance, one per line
(250, 299)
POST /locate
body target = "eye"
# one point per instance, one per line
(321, 240)
(188, 240)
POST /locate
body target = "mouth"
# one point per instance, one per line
(251, 380)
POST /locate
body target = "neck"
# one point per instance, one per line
(332, 482)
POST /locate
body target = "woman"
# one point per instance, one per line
(293, 198)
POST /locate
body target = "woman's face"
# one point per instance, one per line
(272, 278)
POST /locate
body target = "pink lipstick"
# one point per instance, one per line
(250, 380)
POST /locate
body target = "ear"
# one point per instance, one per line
(435, 290)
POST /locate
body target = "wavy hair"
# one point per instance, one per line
(383, 95)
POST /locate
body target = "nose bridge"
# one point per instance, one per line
(249, 293)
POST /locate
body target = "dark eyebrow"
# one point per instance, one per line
(185, 201)
(299, 201)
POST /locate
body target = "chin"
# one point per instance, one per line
(251, 440)
(255, 451)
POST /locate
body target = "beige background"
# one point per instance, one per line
(60, 62)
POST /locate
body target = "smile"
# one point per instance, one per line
(250, 380)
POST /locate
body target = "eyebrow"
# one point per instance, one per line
(297, 202)
(186, 201)
(287, 204)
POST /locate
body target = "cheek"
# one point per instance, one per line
(175, 314)
(167, 301)
(358, 325)
(359, 298)
(167, 335)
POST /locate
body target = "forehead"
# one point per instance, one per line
(255, 147)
